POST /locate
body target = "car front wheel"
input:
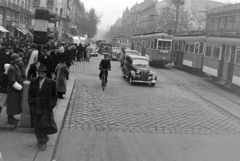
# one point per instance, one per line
(152, 84)
(123, 74)
(130, 80)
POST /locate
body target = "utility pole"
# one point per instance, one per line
(177, 4)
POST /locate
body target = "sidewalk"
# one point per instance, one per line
(19, 146)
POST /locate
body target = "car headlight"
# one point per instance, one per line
(138, 72)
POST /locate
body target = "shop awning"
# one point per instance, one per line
(3, 29)
(27, 31)
(24, 32)
(69, 35)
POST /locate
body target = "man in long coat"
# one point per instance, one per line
(55, 57)
(79, 52)
(14, 89)
(42, 98)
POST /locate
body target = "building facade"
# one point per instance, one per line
(15, 16)
(70, 12)
(224, 19)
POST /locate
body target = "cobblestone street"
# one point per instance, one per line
(185, 117)
(169, 107)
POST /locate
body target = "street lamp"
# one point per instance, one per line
(177, 3)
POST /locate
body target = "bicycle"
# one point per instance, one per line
(103, 78)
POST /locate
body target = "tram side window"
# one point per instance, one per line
(216, 52)
(237, 61)
(169, 44)
(191, 48)
(152, 44)
(196, 48)
(181, 46)
(201, 48)
(208, 51)
(227, 54)
(155, 44)
(186, 47)
(160, 44)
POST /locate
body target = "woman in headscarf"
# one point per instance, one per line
(33, 59)
(3, 85)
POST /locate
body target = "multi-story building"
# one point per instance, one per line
(224, 19)
(147, 15)
(51, 5)
(69, 11)
(15, 16)
(194, 12)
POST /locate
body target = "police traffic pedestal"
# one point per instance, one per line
(25, 121)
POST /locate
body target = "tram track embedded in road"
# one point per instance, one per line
(176, 82)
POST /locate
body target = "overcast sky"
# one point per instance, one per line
(112, 9)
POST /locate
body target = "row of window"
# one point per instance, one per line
(211, 50)
(156, 44)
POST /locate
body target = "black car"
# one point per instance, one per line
(136, 69)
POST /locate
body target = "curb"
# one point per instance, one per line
(59, 115)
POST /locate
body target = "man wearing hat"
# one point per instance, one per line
(42, 98)
(55, 57)
(47, 61)
(14, 89)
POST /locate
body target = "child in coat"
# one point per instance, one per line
(62, 74)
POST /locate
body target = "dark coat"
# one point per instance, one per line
(44, 98)
(4, 58)
(3, 83)
(48, 62)
(56, 58)
(14, 96)
(80, 51)
(68, 54)
(62, 76)
(32, 72)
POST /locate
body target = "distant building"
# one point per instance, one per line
(194, 12)
(224, 19)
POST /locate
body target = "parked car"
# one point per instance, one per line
(136, 69)
(127, 52)
(94, 49)
(115, 53)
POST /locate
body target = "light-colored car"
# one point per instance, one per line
(127, 52)
(94, 50)
(115, 53)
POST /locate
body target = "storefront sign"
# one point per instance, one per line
(8, 18)
(14, 24)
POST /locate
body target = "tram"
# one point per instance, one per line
(155, 46)
(187, 51)
(217, 56)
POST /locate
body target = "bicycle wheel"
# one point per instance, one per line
(103, 82)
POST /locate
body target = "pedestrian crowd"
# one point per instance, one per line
(48, 71)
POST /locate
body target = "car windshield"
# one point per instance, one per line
(93, 45)
(131, 53)
(141, 62)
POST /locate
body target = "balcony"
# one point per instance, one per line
(13, 6)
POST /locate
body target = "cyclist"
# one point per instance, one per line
(105, 64)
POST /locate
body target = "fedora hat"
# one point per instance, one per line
(15, 57)
(42, 68)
